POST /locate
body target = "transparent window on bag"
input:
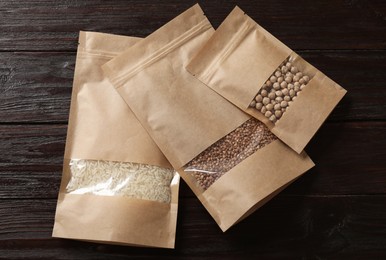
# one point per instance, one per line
(113, 178)
(282, 88)
(229, 151)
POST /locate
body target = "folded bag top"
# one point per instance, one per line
(231, 161)
(263, 77)
(173, 105)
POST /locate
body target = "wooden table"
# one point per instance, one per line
(336, 211)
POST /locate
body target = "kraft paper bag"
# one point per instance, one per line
(238, 62)
(231, 161)
(117, 187)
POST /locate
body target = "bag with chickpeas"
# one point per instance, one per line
(263, 77)
(231, 161)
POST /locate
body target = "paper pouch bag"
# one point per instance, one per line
(117, 187)
(213, 144)
(263, 77)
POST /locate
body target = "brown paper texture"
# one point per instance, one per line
(99, 118)
(238, 60)
(171, 104)
(251, 183)
(185, 117)
(148, 218)
(116, 219)
(102, 127)
(227, 62)
(312, 107)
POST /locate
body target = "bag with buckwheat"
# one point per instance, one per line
(263, 77)
(231, 161)
(117, 186)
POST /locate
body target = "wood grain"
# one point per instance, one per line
(317, 227)
(36, 87)
(335, 211)
(52, 25)
(349, 159)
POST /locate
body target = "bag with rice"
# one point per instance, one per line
(117, 187)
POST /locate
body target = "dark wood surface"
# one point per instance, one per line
(335, 211)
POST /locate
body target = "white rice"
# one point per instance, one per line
(107, 178)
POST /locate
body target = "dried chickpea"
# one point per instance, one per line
(288, 65)
(277, 73)
(253, 103)
(279, 99)
(292, 93)
(273, 79)
(259, 106)
(284, 69)
(272, 118)
(301, 81)
(268, 113)
(264, 93)
(279, 93)
(284, 84)
(263, 110)
(277, 107)
(271, 95)
(302, 87)
(276, 86)
(278, 114)
(259, 98)
(297, 88)
(284, 104)
(268, 83)
(266, 101)
(294, 70)
(306, 78)
(284, 91)
(288, 79)
(269, 107)
(296, 78)
(287, 98)
(280, 79)
(290, 86)
(299, 74)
